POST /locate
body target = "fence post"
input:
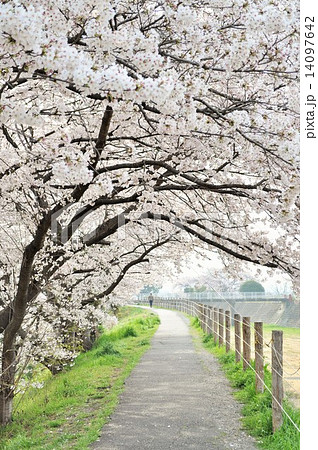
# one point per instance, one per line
(237, 332)
(204, 318)
(210, 310)
(227, 331)
(207, 319)
(232, 309)
(246, 342)
(212, 321)
(215, 324)
(259, 357)
(201, 314)
(277, 379)
(221, 327)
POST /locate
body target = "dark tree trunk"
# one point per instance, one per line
(7, 386)
(16, 318)
(6, 401)
(88, 339)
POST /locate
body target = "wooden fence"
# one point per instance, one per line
(217, 322)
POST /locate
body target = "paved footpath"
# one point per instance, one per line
(177, 397)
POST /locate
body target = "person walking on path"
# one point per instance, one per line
(176, 398)
(150, 299)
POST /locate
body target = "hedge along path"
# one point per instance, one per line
(175, 398)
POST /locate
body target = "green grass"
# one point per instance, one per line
(256, 409)
(288, 331)
(71, 408)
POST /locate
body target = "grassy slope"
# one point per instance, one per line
(72, 407)
(257, 415)
(288, 331)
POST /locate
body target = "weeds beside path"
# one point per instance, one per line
(71, 408)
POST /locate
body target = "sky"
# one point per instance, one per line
(196, 266)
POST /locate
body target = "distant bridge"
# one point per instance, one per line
(269, 308)
(227, 296)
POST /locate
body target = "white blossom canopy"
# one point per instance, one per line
(176, 121)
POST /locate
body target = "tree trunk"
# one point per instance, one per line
(7, 386)
(6, 400)
(19, 306)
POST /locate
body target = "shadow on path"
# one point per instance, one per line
(175, 398)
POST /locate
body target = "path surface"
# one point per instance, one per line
(176, 398)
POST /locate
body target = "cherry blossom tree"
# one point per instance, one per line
(216, 280)
(133, 126)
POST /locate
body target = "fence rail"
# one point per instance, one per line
(216, 322)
